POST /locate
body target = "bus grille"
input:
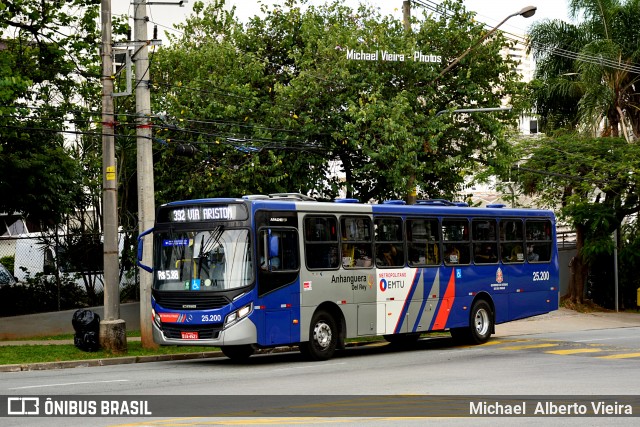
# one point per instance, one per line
(207, 332)
(190, 301)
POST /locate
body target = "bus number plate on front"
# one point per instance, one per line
(189, 335)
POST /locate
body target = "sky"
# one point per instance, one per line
(490, 12)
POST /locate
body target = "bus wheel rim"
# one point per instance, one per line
(482, 322)
(322, 335)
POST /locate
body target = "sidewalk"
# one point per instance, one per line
(565, 320)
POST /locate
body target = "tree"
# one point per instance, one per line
(586, 70)
(44, 72)
(273, 106)
(49, 136)
(596, 183)
(586, 84)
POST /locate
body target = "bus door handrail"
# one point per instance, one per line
(140, 250)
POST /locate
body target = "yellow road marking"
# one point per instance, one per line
(620, 356)
(574, 351)
(526, 347)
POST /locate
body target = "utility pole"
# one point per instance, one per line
(146, 197)
(406, 23)
(406, 15)
(112, 329)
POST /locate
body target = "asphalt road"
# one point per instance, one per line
(560, 354)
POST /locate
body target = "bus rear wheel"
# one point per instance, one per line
(480, 325)
(238, 352)
(323, 337)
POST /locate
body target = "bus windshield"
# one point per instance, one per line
(207, 260)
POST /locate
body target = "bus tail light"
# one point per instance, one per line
(238, 315)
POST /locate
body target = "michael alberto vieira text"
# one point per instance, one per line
(550, 408)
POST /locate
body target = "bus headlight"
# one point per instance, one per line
(239, 314)
(156, 318)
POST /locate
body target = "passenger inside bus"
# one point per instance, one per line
(486, 254)
(515, 255)
(452, 255)
(389, 256)
(531, 255)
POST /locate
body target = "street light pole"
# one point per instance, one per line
(146, 197)
(525, 12)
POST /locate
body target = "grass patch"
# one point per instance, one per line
(60, 337)
(25, 354)
(42, 353)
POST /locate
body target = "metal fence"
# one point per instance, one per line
(68, 256)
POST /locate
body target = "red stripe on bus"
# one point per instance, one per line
(447, 302)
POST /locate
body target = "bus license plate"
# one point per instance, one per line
(189, 335)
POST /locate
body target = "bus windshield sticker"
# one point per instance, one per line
(175, 242)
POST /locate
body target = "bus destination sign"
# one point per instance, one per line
(207, 213)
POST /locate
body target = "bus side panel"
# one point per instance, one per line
(277, 316)
(533, 289)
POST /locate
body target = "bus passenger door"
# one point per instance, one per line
(277, 327)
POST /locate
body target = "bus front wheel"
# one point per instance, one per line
(480, 325)
(323, 337)
(238, 352)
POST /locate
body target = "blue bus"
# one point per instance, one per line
(263, 271)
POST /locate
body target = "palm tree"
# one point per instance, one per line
(587, 73)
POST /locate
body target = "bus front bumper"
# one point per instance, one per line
(242, 332)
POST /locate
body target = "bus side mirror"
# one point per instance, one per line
(140, 251)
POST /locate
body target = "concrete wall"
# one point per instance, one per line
(564, 256)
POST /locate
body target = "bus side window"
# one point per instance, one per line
(512, 241)
(389, 246)
(357, 245)
(485, 241)
(278, 263)
(423, 242)
(321, 242)
(539, 240)
(455, 233)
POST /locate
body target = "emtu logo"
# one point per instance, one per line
(383, 285)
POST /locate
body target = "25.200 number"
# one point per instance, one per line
(211, 318)
(540, 276)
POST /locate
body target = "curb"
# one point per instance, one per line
(125, 360)
(107, 362)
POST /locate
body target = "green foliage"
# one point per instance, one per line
(594, 181)
(20, 354)
(276, 105)
(41, 294)
(45, 69)
(583, 74)
(628, 261)
(8, 262)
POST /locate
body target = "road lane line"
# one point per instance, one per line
(527, 347)
(66, 384)
(621, 356)
(574, 351)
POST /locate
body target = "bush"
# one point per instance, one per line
(8, 262)
(41, 294)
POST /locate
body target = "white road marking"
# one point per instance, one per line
(67, 384)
